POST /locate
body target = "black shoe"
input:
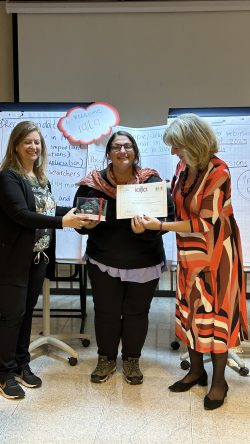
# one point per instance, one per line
(103, 370)
(27, 378)
(212, 404)
(131, 371)
(10, 389)
(180, 386)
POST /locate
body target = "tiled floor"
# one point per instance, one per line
(69, 409)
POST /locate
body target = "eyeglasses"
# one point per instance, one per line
(118, 146)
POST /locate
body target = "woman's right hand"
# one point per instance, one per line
(73, 220)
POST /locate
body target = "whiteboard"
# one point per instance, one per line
(67, 164)
(232, 127)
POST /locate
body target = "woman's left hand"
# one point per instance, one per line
(151, 223)
(91, 224)
(137, 226)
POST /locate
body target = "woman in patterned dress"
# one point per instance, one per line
(211, 311)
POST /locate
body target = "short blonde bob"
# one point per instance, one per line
(192, 134)
(12, 160)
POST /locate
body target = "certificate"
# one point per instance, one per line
(139, 199)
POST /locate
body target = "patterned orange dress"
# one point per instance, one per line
(211, 313)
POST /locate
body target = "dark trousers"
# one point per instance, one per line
(121, 313)
(16, 310)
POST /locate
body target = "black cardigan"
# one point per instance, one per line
(114, 243)
(18, 222)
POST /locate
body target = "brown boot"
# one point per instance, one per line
(132, 372)
(103, 370)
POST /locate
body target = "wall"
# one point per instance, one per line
(6, 65)
(141, 63)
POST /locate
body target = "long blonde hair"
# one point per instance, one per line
(11, 159)
(194, 135)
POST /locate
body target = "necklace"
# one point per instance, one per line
(186, 193)
(113, 180)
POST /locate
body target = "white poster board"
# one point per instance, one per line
(232, 127)
(233, 133)
(66, 166)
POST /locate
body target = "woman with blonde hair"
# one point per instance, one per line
(28, 217)
(211, 311)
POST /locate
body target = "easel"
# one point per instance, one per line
(57, 340)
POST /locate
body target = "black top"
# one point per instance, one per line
(113, 242)
(18, 222)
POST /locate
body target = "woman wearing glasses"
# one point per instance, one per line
(124, 262)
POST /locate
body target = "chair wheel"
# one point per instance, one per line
(244, 371)
(72, 361)
(185, 365)
(175, 345)
(85, 342)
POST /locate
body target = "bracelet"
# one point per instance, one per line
(161, 228)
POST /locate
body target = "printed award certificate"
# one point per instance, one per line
(138, 199)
